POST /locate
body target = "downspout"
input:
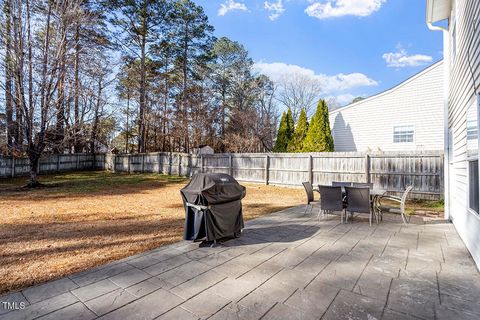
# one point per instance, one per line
(446, 139)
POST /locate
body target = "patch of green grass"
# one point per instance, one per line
(428, 205)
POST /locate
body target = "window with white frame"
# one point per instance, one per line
(472, 131)
(403, 134)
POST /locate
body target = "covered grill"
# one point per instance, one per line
(213, 207)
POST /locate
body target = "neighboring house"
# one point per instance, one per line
(396, 119)
(203, 149)
(461, 37)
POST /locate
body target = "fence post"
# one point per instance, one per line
(442, 176)
(129, 160)
(58, 162)
(170, 163)
(230, 164)
(77, 165)
(267, 169)
(159, 159)
(367, 168)
(180, 164)
(114, 163)
(13, 167)
(201, 163)
(310, 168)
(143, 163)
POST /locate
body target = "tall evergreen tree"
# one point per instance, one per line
(319, 137)
(281, 144)
(291, 125)
(301, 129)
(329, 145)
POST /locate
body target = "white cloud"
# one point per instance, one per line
(329, 83)
(338, 8)
(276, 9)
(342, 99)
(231, 5)
(402, 59)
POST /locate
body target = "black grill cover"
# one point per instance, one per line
(221, 194)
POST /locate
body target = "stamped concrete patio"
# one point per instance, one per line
(285, 266)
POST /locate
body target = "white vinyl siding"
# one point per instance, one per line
(462, 75)
(367, 125)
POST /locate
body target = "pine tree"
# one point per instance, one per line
(281, 143)
(319, 136)
(329, 145)
(285, 132)
(301, 129)
(291, 125)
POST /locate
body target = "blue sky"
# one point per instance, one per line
(354, 47)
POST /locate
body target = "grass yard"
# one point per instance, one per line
(81, 220)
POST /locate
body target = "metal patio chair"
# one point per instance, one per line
(358, 201)
(331, 200)
(400, 209)
(310, 196)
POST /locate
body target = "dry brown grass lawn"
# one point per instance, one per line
(81, 220)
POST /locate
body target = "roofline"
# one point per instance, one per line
(392, 89)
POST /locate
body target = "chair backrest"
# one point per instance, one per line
(331, 198)
(341, 184)
(363, 184)
(358, 199)
(404, 198)
(309, 190)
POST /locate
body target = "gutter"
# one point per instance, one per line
(435, 28)
(446, 138)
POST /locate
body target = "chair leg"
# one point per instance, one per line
(403, 218)
(320, 213)
(306, 208)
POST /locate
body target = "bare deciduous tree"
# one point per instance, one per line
(297, 91)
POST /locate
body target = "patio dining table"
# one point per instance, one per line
(375, 195)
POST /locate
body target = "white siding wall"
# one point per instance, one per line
(368, 124)
(461, 95)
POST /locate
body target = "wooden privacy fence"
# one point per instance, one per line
(392, 171)
(15, 167)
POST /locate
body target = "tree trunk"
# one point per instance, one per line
(127, 124)
(8, 76)
(185, 86)
(34, 158)
(76, 105)
(141, 115)
(60, 125)
(29, 111)
(93, 136)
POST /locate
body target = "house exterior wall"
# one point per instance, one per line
(368, 125)
(463, 75)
